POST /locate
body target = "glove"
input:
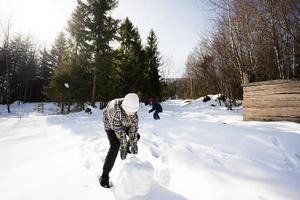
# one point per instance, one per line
(134, 148)
(123, 146)
(123, 153)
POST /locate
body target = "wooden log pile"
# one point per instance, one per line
(277, 100)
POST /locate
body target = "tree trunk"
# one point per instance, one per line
(82, 106)
(293, 62)
(30, 92)
(279, 65)
(25, 91)
(69, 108)
(191, 80)
(94, 90)
(62, 108)
(233, 44)
(8, 108)
(7, 89)
(6, 54)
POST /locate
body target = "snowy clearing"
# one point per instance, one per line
(196, 151)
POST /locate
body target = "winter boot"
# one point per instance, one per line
(104, 181)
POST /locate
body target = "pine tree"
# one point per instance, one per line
(74, 64)
(129, 60)
(71, 80)
(58, 89)
(24, 66)
(19, 70)
(58, 49)
(153, 62)
(100, 30)
(45, 71)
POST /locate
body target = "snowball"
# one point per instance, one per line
(67, 85)
(136, 179)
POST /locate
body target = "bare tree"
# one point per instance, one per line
(167, 66)
(253, 41)
(6, 56)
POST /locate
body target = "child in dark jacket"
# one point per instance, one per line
(156, 107)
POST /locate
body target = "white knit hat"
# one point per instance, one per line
(131, 103)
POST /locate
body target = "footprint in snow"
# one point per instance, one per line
(290, 162)
(217, 162)
(164, 177)
(154, 152)
(275, 141)
(297, 156)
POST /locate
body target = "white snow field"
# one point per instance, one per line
(196, 151)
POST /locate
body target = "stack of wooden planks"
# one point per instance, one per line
(277, 100)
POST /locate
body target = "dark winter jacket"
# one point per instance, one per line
(156, 107)
(115, 118)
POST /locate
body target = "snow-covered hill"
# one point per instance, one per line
(196, 151)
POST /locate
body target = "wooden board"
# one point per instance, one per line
(276, 112)
(261, 103)
(275, 97)
(272, 90)
(261, 118)
(273, 82)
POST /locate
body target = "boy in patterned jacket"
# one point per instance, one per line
(121, 125)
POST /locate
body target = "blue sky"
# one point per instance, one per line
(179, 24)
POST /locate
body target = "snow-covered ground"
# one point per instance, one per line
(196, 151)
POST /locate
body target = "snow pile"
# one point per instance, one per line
(136, 179)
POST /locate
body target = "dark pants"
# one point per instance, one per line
(114, 146)
(155, 115)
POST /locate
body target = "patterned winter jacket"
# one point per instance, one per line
(115, 118)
